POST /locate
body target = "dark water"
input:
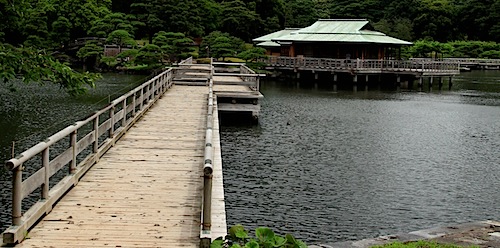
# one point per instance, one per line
(29, 113)
(330, 167)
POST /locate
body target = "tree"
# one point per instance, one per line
(175, 45)
(121, 38)
(300, 13)
(149, 54)
(33, 66)
(238, 20)
(114, 21)
(148, 13)
(252, 54)
(60, 33)
(91, 52)
(222, 47)
(210, 41)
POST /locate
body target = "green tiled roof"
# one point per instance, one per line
(336, 30)
(277, 34)
(268, 44)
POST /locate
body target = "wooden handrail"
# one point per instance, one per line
(363, 64)
(122, 113)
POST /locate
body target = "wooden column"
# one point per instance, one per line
(450, 83)
(335, 82)
(366, 83)
(420, 84)
(440, 83)
(398, 83)
(355, 83)
(431, 79)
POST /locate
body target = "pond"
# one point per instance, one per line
(331, 167)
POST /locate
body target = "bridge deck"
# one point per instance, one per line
(144, 192)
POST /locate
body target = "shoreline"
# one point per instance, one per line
(480, 233)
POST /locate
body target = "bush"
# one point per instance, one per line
(264, 237)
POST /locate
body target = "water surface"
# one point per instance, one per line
(330, 167)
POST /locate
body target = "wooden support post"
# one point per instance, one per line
(45, 164)
(335, 77)
(450, 83)
(431, 79)
(440, 83)
(17, 191)
(96, 135)
(410, 83)
(316, 76)
(111, 132)
(398, 83)
(124, 108)
(366, 83)
(134, 104)
(420, 84)
(298, 75)
(142, 99)
(72, 141)
(355, 84)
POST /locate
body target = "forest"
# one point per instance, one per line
(34, 32)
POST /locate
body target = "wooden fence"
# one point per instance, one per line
(248, 77)
(94, 135)
(365, 65)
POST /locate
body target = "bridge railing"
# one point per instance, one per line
(206, 216)
(366, 65)
(88, 139)
(248, 76)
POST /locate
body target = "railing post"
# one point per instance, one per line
(72, 141)
(111, 133)
(45, 164)
(142, 99)
(96, 135)
(124, 107)
(134, 104)
(17, 179)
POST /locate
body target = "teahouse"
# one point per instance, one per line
(333, 38)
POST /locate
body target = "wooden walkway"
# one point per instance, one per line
(144, 192)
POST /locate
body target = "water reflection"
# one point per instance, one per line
(339, 166)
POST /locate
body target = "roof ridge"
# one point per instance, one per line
(342, 19)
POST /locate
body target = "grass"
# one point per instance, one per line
(419, 244)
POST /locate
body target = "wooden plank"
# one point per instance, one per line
(105, 126)
(33, 182)
(83, 143)
(60, 161)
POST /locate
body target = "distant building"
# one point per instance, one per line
(333, 38)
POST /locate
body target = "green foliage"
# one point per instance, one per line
(35, 66)
(102, 27)
(264, 238)
(175, 46)
(221, 45)
(419, 244)
(253, 54)
(91, 51)
(149, 54)
(121, 38)
(457, 49)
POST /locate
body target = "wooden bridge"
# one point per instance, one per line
(145, 171)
